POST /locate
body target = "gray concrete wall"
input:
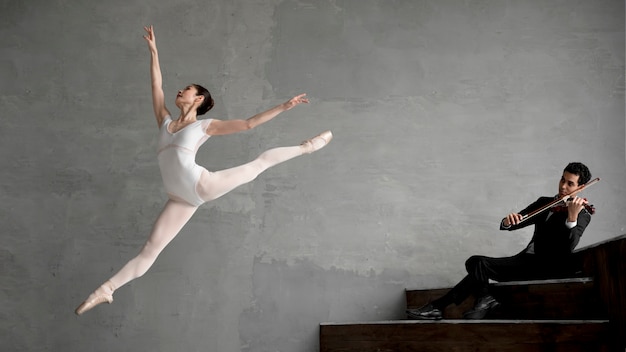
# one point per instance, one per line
(447, 115)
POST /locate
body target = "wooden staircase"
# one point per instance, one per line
(586, 313)
(466, 335)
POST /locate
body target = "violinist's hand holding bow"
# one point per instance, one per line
(512, 219)
(574, 206)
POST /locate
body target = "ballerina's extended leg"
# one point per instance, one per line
(213, 185)
(169, 223)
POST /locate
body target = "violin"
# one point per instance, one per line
(563, 207)
(561, 203)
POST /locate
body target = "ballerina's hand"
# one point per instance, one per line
(150, 38)
(298, 99)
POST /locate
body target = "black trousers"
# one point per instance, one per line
(522, 266)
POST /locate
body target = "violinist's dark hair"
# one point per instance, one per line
(207, 103)
(584, 175)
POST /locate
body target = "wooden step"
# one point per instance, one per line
(576, 298)
(605, 262)
(466, 335)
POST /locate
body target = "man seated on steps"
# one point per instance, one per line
(548, 255)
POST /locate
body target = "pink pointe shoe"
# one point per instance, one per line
(90, 303)
(96, 298)
(316, 143)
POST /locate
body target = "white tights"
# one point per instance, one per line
(175, 214)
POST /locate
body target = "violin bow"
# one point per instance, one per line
(559, 200)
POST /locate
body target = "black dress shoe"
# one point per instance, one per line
(482, 306)
(427, 312)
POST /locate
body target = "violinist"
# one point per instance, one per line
(548, 254)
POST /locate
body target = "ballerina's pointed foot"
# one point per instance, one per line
(318, 142)
(93, 300)
(104, 294)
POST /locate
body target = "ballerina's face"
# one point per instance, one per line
(188, 95)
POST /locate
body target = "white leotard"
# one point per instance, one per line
(177, 160)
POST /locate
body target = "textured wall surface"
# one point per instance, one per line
(447, 115)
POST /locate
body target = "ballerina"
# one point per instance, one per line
(187, 184)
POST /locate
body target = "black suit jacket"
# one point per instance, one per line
(551, 237)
